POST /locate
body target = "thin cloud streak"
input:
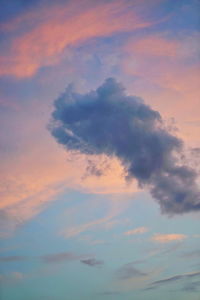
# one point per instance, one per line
(11, 258)
(62, 257)
(139, 230)
(129, 271)
(173, 279)
(92, 262)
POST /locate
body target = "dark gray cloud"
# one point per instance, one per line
(129, 271)
(107, 121)
(92, 262)
(93, 169)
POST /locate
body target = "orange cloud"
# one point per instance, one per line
(167, 238)
(139, 230)
(51, 30)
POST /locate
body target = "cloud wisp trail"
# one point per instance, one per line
(108, 121)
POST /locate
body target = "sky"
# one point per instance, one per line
(100, 150)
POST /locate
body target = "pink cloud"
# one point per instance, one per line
(50, 31)
(169, 71)
(167, 238)
(27, 185)
(139, 230)
(154, 46)
(163, 61)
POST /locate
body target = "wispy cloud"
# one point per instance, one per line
(167, 238)
(51, 29)
(115, 209)
(128, 271)
(191, 287)
(173, 279)
(11, 277)
(172, 65)
(110, 293)
(139, 230)
(196, 236)
(27, 186)
(192, 254)
(92, 262)
(62, 257)
(11, 258)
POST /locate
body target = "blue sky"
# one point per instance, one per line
(100, 149)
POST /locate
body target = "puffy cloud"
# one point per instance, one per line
(107, 121)
(166, 238)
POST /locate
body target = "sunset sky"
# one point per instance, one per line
(99, 149)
